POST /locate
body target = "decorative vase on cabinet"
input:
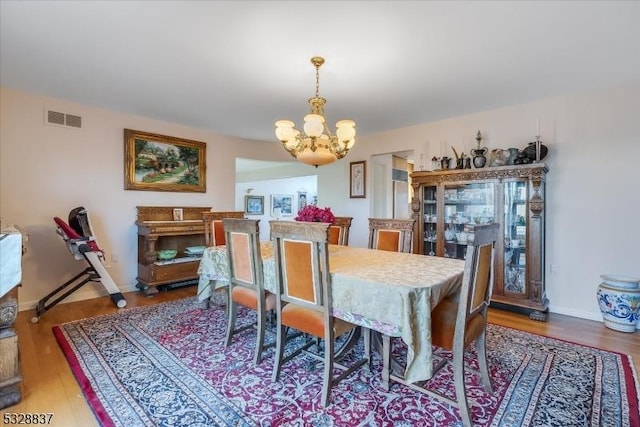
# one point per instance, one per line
(619, 301)
(511, 195)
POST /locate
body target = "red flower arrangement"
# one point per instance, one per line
(312, 213)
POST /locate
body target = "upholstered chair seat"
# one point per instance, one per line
(249, 298)
(443, 324)
(312, 321)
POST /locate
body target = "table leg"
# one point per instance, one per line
(386, 355)
(390, 365)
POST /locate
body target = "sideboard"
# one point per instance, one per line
(168, 227)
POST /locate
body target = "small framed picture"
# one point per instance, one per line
(281, 205)
(254, 205)
(357, 180)
(178, 214)
(302, 199)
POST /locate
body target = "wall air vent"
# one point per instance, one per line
(57, 118)
(73, 121)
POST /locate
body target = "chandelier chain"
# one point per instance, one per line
(317, 81)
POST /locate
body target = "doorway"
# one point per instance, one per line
(392, 192)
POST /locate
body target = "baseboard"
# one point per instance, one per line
(81, 295)
(581, 314)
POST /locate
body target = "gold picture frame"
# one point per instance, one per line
(357, 180)
(154, 162)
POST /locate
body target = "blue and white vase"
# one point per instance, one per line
(619, 301)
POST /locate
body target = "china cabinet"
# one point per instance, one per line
(168, 229)
(446, 200)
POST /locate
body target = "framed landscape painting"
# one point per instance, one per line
(254, 205)
(281, 205)
(155, 162)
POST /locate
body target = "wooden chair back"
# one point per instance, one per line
(460, 320)
(213, 230)
(246, 279)
(477, 283)
(301, 253)
(243, 251)
(302, 263)
(339, 231)
(389, 234)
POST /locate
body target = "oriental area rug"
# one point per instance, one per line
(166, 365)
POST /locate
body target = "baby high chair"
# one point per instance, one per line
(82, 244)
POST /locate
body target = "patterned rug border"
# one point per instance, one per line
(629, 372)
(90, 394)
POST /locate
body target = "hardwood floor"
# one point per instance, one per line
(50, 387)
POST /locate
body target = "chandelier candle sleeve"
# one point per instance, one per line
(316, 145)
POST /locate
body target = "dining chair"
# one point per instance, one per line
(387, 234)
(304, 300)
(460, 320)
(246, 279)
(213, 231)
(339, 230)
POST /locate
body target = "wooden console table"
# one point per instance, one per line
(157, 230)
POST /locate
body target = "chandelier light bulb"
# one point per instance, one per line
(313, 125)
(346, 130)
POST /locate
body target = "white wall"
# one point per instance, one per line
(266, 188)
(46, 171)
(592, 198)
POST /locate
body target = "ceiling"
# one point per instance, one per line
(234, 67)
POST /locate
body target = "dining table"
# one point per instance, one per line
(392, 293)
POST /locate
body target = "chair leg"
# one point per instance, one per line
(481, 350)
(461, 392)
(386, 361)
(328, 371)
(259, 336)
(231, 321)
(281, 339)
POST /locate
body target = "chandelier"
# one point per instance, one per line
(316, 145)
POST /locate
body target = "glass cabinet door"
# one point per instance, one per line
(430, 220)
(465, 204)
(515, 236)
